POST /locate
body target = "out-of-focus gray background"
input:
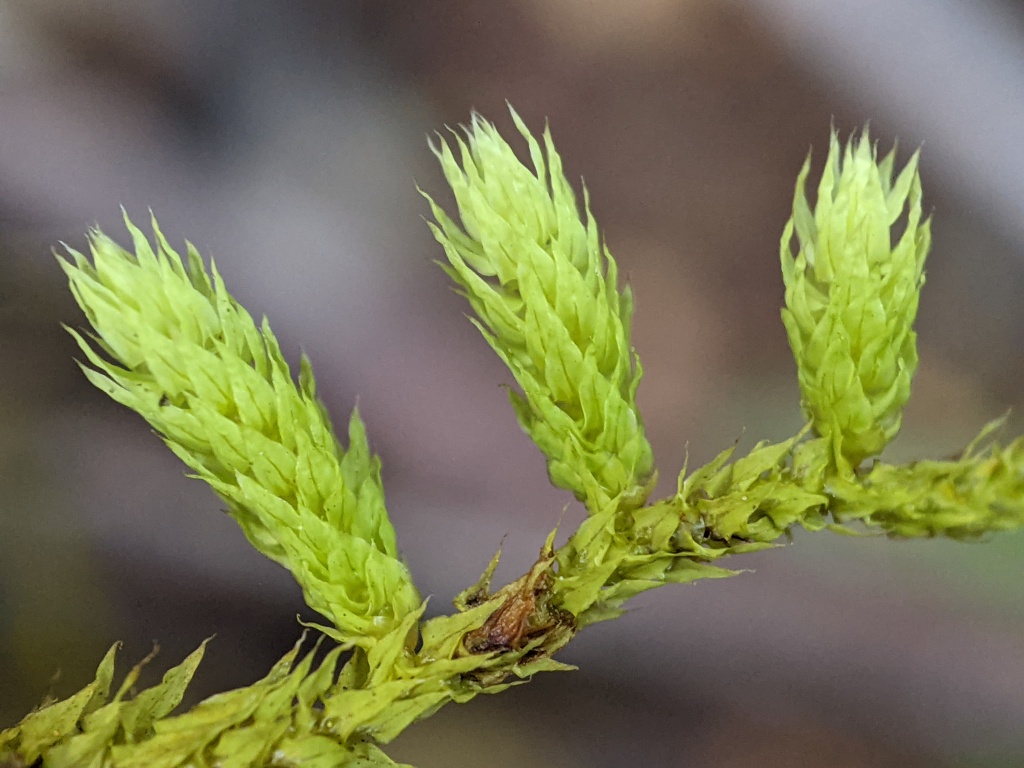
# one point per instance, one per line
(285, 140)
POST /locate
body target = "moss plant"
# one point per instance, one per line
(168, 341)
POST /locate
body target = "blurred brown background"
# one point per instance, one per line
(285, 140)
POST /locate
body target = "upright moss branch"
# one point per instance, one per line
(545, 292)
(183, 354)
(851, 296)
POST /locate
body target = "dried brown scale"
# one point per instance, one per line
(523, 630)
(521, 617)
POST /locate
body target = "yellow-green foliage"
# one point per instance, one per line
(170, 342)
(191, 361)
(545, 291)
(272, 722)
(851, 296)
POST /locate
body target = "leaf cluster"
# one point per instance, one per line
(168, 341)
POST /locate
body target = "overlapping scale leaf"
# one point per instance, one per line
(172, 344)
(980, 492)
(276, 721)
(727, 507)
(545, 292)
(852, 295)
